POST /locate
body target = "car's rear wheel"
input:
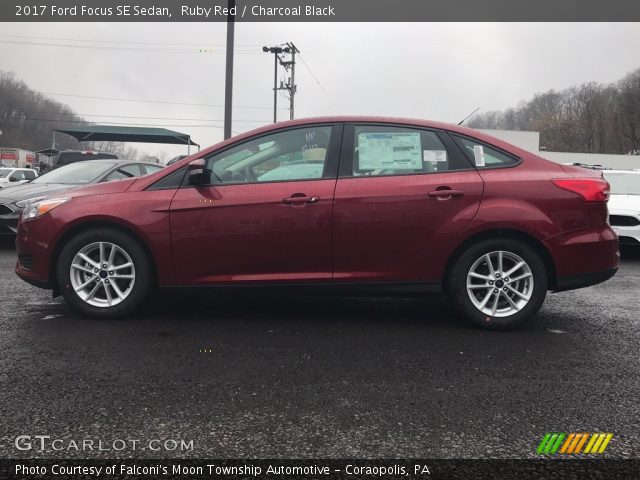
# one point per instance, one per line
(498, 284)
(104, 273)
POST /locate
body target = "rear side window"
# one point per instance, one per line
(29, 175)
(484, 156)
(149, 169)
(380, 150)
(120, 173)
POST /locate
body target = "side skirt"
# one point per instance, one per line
(372, 289)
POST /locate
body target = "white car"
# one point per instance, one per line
(10, 176)
(624, 204)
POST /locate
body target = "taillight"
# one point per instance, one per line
(591, 189)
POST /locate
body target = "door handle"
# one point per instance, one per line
(299, 199)
(445, 193)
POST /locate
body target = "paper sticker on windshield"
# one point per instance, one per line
(398, 151)
(478, 154)
(434, 156)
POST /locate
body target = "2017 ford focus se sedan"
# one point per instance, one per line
(343, 204)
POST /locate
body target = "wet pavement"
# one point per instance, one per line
(252, 376)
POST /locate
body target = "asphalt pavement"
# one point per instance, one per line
(252, 376)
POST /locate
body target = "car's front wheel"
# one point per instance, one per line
(104, 273)
(498, 284)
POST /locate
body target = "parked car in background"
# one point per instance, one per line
(16, 176)
(340, 205)
(66, 157)
(14, 199)
(624, 204)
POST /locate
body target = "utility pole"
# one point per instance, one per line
(291, 85)
(228, 84)
(279, 53)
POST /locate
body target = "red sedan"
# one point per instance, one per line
(344, 204)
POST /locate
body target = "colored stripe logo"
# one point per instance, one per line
(574, 443)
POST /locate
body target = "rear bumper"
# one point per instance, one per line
(584, 257)
(584, 280)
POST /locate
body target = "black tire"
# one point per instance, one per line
(457, 283)
(143, 272)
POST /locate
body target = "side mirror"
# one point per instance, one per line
(197, 173)
(13, 179)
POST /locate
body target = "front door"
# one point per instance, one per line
(265, 215)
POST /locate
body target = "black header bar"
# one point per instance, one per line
(320, 11)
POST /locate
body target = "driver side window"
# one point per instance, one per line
(297, 154)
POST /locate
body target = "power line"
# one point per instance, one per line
(151, 101)
(141, 118)
(125, 49)
(118, 123)
(318, 82)
(127, 42)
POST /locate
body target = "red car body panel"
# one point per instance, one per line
(389, 229)
(362, 229)
(245, 233)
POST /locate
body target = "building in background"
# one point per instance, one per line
(17, 157)
(530, 141)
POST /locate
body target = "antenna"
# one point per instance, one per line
(468, 116)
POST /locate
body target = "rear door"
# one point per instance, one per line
(265, 215)
(403, 196)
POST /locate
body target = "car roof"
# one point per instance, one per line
(115, 161)
(400, 121)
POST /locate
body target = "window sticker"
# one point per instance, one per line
(434, 156)
(478, 154)
(398, 151)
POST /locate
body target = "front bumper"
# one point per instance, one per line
(628, 235)
(9, 220)
(34, 246)
(626, 224)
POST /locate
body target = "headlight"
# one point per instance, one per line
(34, 209)
(24, 203)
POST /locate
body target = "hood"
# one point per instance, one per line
(628, 203)
(31, 190)
(116, 186)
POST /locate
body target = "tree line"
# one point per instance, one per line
(590, 118)
(28, 119)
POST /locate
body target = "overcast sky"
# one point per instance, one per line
(439, 71)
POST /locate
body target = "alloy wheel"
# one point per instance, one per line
(500, 283)
(102, 274)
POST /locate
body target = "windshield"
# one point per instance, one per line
(4, 172)
(624, 183)
(79, 173)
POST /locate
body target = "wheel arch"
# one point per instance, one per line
(502, 233)
(89, 225)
